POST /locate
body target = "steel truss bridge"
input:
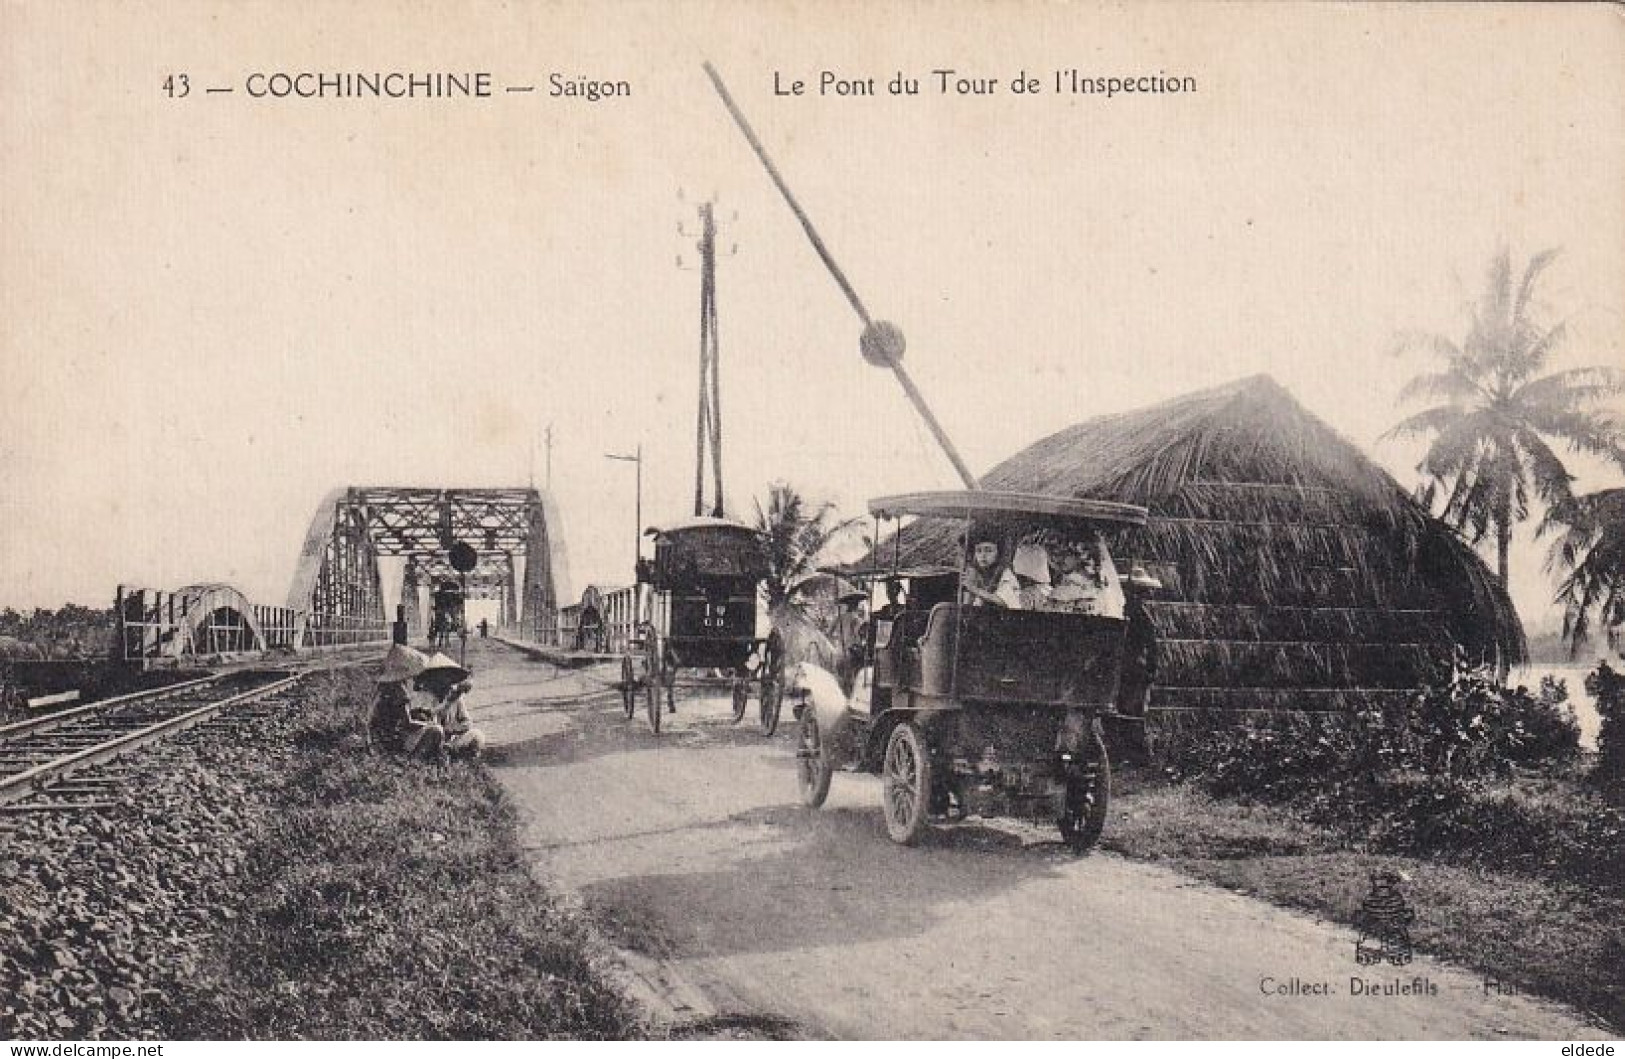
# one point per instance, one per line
(337, 597)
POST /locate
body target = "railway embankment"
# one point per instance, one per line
(270, 880)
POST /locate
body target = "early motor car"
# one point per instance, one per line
(988, 684)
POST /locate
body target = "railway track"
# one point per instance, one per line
(61, 759)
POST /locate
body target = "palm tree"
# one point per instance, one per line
(1592, 551)
(799, 536)
(1490, 450)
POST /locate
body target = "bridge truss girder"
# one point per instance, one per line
(421, 525)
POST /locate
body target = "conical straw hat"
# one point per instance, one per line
(439, 662)
(402, 663)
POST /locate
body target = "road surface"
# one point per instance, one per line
(736, 907)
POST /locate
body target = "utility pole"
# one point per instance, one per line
(550, 457)
(708, 424)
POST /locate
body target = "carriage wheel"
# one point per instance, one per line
(772, 699)
(772, 693)
(741, 697)
(629, 687)
(1087, 796)
(651, 684)
(906, 779)
(813, 770)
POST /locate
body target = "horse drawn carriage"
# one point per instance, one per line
(447, 617)
(699, 610)
(985, 700)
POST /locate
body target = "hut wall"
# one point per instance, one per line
(1282, 596)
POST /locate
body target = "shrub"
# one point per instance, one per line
(1282, 756)
(1466, 725)
(1553, 834)
(1608, 688)
(1463, 727)
(1554, 730)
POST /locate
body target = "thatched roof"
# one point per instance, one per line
(1272, 534)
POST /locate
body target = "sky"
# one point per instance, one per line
(216, 308)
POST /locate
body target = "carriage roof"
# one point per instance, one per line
(706, 547)
(701, 526)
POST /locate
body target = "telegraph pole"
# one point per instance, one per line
(708, 424)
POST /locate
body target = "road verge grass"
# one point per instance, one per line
(390, 900)
(1525, 933)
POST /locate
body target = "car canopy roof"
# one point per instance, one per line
(979, 505)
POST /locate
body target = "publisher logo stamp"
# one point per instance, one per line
(1384, 921)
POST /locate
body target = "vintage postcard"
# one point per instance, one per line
(805, 521)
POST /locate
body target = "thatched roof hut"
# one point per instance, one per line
(1297, 574)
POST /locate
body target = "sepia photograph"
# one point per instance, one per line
(777, 521)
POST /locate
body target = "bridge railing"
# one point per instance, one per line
(209, 620)
(279, 626)
(619, 617)
(339, 631)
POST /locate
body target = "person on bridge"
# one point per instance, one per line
(392, 721)
(590, 633)
(448, 682)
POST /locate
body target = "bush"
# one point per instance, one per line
(1554, 730)
(1282, 756)
(1608, 688)
(1554, 834)
(1467, 726)
(1464, 726)
(1415, 779)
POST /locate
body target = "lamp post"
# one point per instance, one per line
(637, 530)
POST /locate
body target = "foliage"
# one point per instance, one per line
(1464, 726)
(1608, 689)
(1591, 552)
(391, 900)
(799, 535)
(1468, 726)
(72, 631)
(1490, 452)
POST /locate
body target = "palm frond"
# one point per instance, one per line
(1531, 273)
(1452, 385)
(1440, 346)
(1588, 432)
(1574, 388)
(1591, 548)
(1544, 470)
(1429, 421)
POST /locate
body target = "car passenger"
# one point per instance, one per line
(1087, 582)
(1031, 567)
(988, 581)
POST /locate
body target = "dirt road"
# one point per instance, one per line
(736, 906)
